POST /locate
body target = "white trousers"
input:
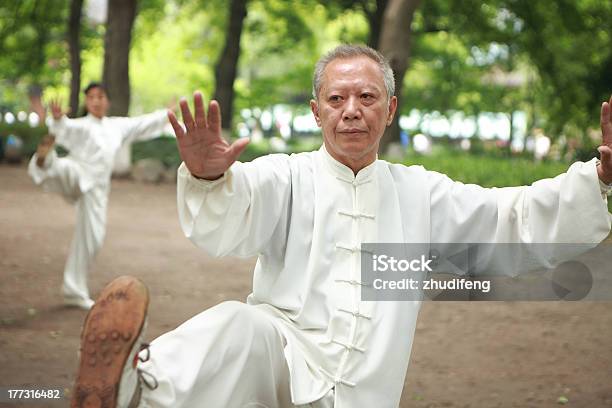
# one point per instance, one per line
(229, 356)
(61, 175)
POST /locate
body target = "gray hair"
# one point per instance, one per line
(351, 51)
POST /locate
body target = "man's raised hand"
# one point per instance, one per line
(56, 109)
(205, 153)
(604, 170)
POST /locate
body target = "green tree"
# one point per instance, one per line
(31, 49)
(569, 44)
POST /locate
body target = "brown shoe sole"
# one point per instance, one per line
(111, 329)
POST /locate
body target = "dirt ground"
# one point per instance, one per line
(487, 354)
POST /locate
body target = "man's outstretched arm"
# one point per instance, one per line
(226, 207)
(570, 208)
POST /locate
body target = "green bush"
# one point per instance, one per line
(255, 150)
(29, 135)
(162, 148)
(488, 171)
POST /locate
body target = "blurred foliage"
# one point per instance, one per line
(558, 50)
(30, 40)
(568, 41)
(29, 135)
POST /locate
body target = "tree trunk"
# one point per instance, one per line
(74, 45)
(375, 21)
(511, 136)
(395, 45)
(116, 78)
(227, 65)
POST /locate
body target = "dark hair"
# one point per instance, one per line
(93, 85)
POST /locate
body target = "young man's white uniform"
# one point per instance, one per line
(304, 335)
(83, 178)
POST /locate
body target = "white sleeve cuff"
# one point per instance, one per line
(57, 126)
(605, 188)
(184, 172)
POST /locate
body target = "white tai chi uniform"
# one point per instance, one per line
(83, 177)
(305, 216)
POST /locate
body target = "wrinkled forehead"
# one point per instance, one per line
(360, 72)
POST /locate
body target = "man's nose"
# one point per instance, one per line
(352, 110)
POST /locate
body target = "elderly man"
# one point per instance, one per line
(305, 337)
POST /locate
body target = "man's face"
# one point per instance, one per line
(96, 102)
(352, 110)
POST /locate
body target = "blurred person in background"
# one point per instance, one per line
(83, 176)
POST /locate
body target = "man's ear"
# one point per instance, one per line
(392, 109)
(314, 107)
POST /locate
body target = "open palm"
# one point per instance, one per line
(605, 150)
(201, 146)
(56, 109)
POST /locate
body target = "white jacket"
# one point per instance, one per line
(305, 216)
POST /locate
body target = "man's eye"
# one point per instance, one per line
(334, 98)
(367, 96)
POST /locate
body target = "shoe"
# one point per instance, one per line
(110, 342)
(79, 302)
(43, 149)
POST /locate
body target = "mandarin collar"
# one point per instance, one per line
(95, 119)
(343, 172)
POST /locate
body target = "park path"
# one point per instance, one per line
(476, 355)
